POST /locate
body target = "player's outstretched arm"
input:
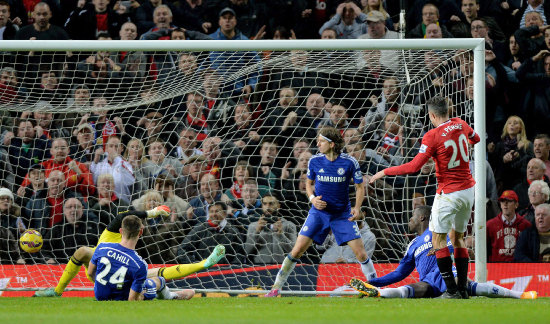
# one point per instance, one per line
(377, 176)
(115, 225)
(407, 168)
(403, 270)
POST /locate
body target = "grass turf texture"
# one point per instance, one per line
(275, 310)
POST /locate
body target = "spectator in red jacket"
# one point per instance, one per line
(77, 175)
(503, 231)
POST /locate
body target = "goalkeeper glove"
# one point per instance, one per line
(159, 211)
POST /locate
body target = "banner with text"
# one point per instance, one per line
(324, 277)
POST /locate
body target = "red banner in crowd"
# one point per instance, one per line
(515, 276)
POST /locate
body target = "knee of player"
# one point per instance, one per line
(439, 241)
(83, 254)
(301, 245)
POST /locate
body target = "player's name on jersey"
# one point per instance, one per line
(451, 128)
(330, 179)
(118, 257)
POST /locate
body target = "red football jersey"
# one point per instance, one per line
(447, 144)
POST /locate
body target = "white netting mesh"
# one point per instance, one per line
(247, 118)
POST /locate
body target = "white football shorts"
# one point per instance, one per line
(452, 211)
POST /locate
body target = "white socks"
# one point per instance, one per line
(400, 292)
(163, 292)
(288, 265)
(368, 269)
(492, 290)
(166, 294)
(476, 289)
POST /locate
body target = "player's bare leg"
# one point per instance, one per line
(81, 257)
(366, 263)
(185, 294)
(421, 289)
(301, 245)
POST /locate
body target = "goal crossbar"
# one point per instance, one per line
(238, 45)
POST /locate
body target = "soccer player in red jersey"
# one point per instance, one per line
(447, 144)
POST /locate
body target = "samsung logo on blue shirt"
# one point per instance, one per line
(422, 248)
(330, 179)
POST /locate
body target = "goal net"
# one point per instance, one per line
(91, 128)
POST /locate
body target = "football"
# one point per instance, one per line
(31, 241)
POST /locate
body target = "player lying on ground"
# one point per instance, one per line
(119, 273)
(447, 144)
(420, 255)
(328, 177)
(111, 234)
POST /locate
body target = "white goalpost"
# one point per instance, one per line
(207, 87)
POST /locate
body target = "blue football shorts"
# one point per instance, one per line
(319, 223)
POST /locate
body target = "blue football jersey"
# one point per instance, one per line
(118, 270)
(332, 180)
(417, 257)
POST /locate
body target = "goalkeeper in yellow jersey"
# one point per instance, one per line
(111, 234)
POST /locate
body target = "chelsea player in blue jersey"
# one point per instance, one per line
(119, 273)
(420, 255)
(329, 175)
(117, 270)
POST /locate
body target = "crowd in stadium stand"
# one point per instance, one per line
(230, 160)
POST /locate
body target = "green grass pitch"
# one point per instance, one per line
(275, 310)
